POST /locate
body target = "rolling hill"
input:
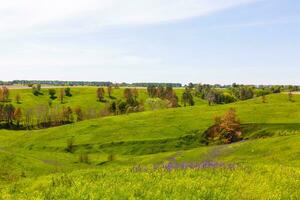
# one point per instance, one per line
(41, 167)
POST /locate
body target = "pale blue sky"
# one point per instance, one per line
(208, 41)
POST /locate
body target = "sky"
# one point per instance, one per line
(200, 41)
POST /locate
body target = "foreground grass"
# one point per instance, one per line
(255, 182)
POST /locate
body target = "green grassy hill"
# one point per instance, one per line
(85, 97)
(266, 166)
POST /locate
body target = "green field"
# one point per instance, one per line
(156, 154)
(84, 97)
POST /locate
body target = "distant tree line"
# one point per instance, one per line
(43, 116)
(235, 92)
(60, 83)
(156, 84)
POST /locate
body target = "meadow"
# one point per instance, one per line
(155, 154)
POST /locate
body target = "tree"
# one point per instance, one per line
(226, 129)
(18, 116)
(135, 93)
(100, 94)
(152, 91)
(67, 116)
(62, 95)
(18, 98)
(52, 93)
(28, 118)
(36, 90)
(68, 92)
(9, 111)
(187, 97)
(171, 96)
(230, 127)
(109, 91)
(211, 97)
(39, 87)
(4, 94)
(79, 114)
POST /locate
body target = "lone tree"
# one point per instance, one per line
(230, 130)
(52, 93)
(226, 128)
(4, 94)
(68, 92)
(100, 94)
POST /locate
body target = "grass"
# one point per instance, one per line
(267, 163)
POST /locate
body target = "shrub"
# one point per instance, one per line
(111, 158)
(70, 145)
(84, 158)
(52, 93)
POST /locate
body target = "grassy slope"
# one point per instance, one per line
(163, 124)
(42, 152)
(265, 169)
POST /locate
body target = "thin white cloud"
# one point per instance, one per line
(20, 14)
(264, 23)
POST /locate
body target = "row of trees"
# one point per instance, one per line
(43, 116)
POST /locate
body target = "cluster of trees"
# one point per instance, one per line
(42, 116)
(226, 129)
(10, 116)
(164, 93)
(229, 94)
(214, 95)
(36, 89)
(187, 97)
(128, 105)
(156, 84)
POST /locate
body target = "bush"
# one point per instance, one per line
(52, 93)
(156, 104)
